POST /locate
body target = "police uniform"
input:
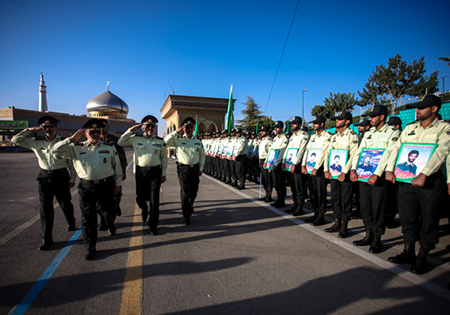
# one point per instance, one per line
(318, 184)
(191, 158)
(374, 198)
(240, 155)
(280, 143)
(53, 179)
(341, 192)
(263, 151)
(255, 159)
(99, 169)
(419, 207)
(150, 164)
(298, 180)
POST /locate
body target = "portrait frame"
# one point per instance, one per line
(289, 151)
(406, 173)
(271, 158)
(343, 156)
(318, 152)
(363, 171)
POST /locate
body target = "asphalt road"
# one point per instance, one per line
(238, 256)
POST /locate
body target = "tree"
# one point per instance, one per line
(252, 114)
(339, 102)
(387, 84)
(446, 59)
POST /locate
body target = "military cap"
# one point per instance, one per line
(264, 128)
(376, 110)
(239, 130)
(47, 121)
(319, 119)
(93, 124)
(253, 133)
(233, 130)
(188, 121)
(394, 120)
(427, 101)
(279, 124)
(363, 123)
(224, 131)
(344, 115)
(149, 120)
(296, 120)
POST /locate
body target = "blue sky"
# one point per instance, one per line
(202, 47)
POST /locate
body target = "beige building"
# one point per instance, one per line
(210, 112)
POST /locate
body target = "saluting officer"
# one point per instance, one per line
(263, 152)
(99, 169)
(341, 187)
(53, 178)
(191, 158)
(150, 161)
(419, 203)
(298, 140)
(321, 139)
(374, 193)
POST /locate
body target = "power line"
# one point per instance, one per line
(282, 54)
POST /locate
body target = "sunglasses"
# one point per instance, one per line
(91, 132)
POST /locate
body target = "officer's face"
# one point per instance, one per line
(189, 130)
(340, 123)
(149, 129)
(50, 130)
(318, 127)
(278, 130)
(425, 113)
(93, 135)
(412, 157)
(295, 127)
(375, 121)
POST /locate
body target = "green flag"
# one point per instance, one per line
(257, 127)
(196, 126)
(287, 128)
(229, 121)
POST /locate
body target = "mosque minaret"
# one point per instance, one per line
(43, 107)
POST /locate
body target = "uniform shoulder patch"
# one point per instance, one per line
(352, 132)
(330, 133)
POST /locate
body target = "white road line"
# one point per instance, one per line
(353, 249)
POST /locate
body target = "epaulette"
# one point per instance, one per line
(39, 138)
(352, 132)
(304, 133)
(330, 133)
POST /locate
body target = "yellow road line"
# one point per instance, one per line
(132, 291)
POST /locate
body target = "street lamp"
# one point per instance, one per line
(303, 104)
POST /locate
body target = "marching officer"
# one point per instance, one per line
(419, 203)
(298, 140)
(191, 158)
(342, 187)
(99, 169)
(374, 193)
(263, 152)
(150, 161)
(53, 178)
(321, 139)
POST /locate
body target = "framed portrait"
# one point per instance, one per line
(291, 155)
(250, 150)
(224, 152)
(412, 159)
(312, 157)
(368, 163)
(271, 158)
(338, 159)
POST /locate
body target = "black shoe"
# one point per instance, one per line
(408, 256)
(90, 254)
(273, 204)
(366, 241)
(45, 245)
(187, 221)
(376, 245)
(318, 221)
(291, 209)
(343, 232)
(153, 231)
(240, 187)
(144, 215)
(310, 219)
(102, 227)
(335, 227)
(268, 199)
(280, 205)
(112, 230)
(297, 212)
(420, 264)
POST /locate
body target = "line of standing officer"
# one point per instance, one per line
(150, 162)
(53, 178)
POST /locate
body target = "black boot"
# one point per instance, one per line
(420, 265)
(366, 241)
(298, 211)
(269, 198)
(292, 209)
(320, 220)
(335, 227)
(343, 232)
(408, 256)
(311, 219)
(376, 245)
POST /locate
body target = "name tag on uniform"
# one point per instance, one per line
(104, 151)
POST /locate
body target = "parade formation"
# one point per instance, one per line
(382, 169)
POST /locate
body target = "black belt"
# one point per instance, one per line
(186, 165)
(147, 168)
(59, 170)
(99, 181)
